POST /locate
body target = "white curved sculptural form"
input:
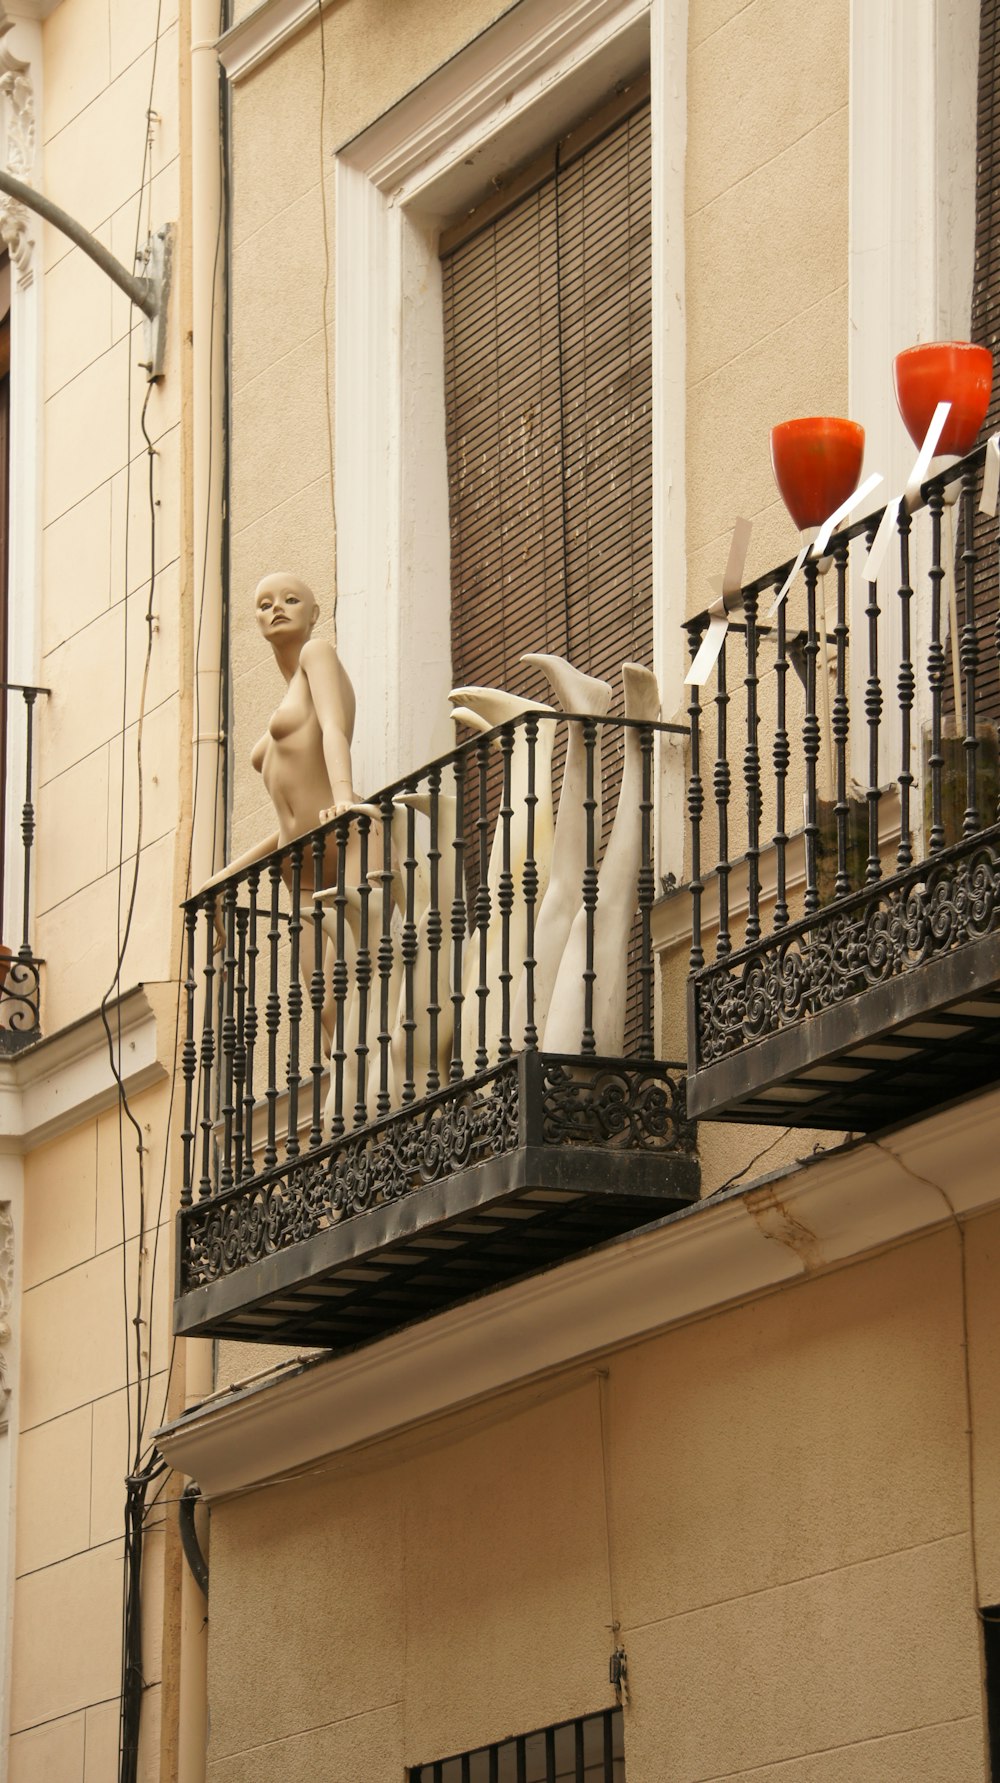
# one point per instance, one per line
(583, 694)
(617, 901)
(482, 708)
(446, 806)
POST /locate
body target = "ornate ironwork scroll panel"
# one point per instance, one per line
(883, 933)
(559, 1102)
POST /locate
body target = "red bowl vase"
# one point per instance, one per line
(817, 465)
(944, 371)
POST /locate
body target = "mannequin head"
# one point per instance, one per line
(286, 609)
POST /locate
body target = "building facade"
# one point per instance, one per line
(537, 1434)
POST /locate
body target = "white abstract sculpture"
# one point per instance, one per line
(482, 708)
(578, 693)
(617, 899)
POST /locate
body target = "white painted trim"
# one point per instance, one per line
(819, 1215)
(913, 74)
(65, 1080)
(251, 40)
(532, 73)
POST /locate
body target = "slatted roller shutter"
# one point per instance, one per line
(548, 372)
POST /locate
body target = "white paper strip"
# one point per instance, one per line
(830, 526)
(789, 579)
(730, 589)
(911, 494)
(926, 453)
(991, 476)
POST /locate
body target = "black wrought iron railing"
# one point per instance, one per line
(433, 980)
(875, 718)
(19, 966)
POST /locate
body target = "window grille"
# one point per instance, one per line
(588, 1750)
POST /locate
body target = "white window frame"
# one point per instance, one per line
(913, 88)
(509, 92)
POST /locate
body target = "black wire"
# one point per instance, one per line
(740, 1174)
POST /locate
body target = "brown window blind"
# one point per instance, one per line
(986, 331)
(547, 392)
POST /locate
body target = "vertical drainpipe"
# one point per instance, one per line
(208, 271)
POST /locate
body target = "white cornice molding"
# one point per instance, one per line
(64, 1080)
(251, 40)
(819, 1215)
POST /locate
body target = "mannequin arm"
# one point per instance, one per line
(333, 700)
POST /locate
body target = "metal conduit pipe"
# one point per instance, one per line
(208, 348)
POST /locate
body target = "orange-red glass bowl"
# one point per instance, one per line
(944, 371)
(817, 464)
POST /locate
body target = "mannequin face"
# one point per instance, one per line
(285, 608)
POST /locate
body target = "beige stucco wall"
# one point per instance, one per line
(74, 1446)
(281, 506)
(773, 1502)
(80, 1256)
(96, 552)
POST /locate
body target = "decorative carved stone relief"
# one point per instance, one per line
(18, 152)
(6, 1299)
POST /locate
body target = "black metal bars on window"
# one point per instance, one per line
(588, 1750)
(419, 941)
(19, 967)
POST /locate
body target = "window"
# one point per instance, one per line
(589, 1750)
(548, 378)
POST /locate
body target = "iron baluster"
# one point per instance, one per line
(272, 1013)
(189, 1055)
(970, 651)
(317, 990)
(695, 805)
(240, 1049)
(905, 685)
(936, 667)
(781, 755)
(751, 770)
(721, 786)
(505, 892)
(383, 1100)
(810, 741)
(646, 894)
(550, 1755)
(873, 718)
(456, 1069)
(362, 975)
(529, 882)
(295, 1001)
(340, 979)
(579, 1757)
(228, 1035)
(253, 951)
(588, 1042)
(433, 931)
(409, 952)
(29, 695)
(841, 720)
(482, 904)
(207, 1051)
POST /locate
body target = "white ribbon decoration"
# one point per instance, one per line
(825, 534)
(911, 494)
(991, 476)
(730, 589)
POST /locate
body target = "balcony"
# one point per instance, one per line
(19, 968)
(419, 1054)
(845, 972)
